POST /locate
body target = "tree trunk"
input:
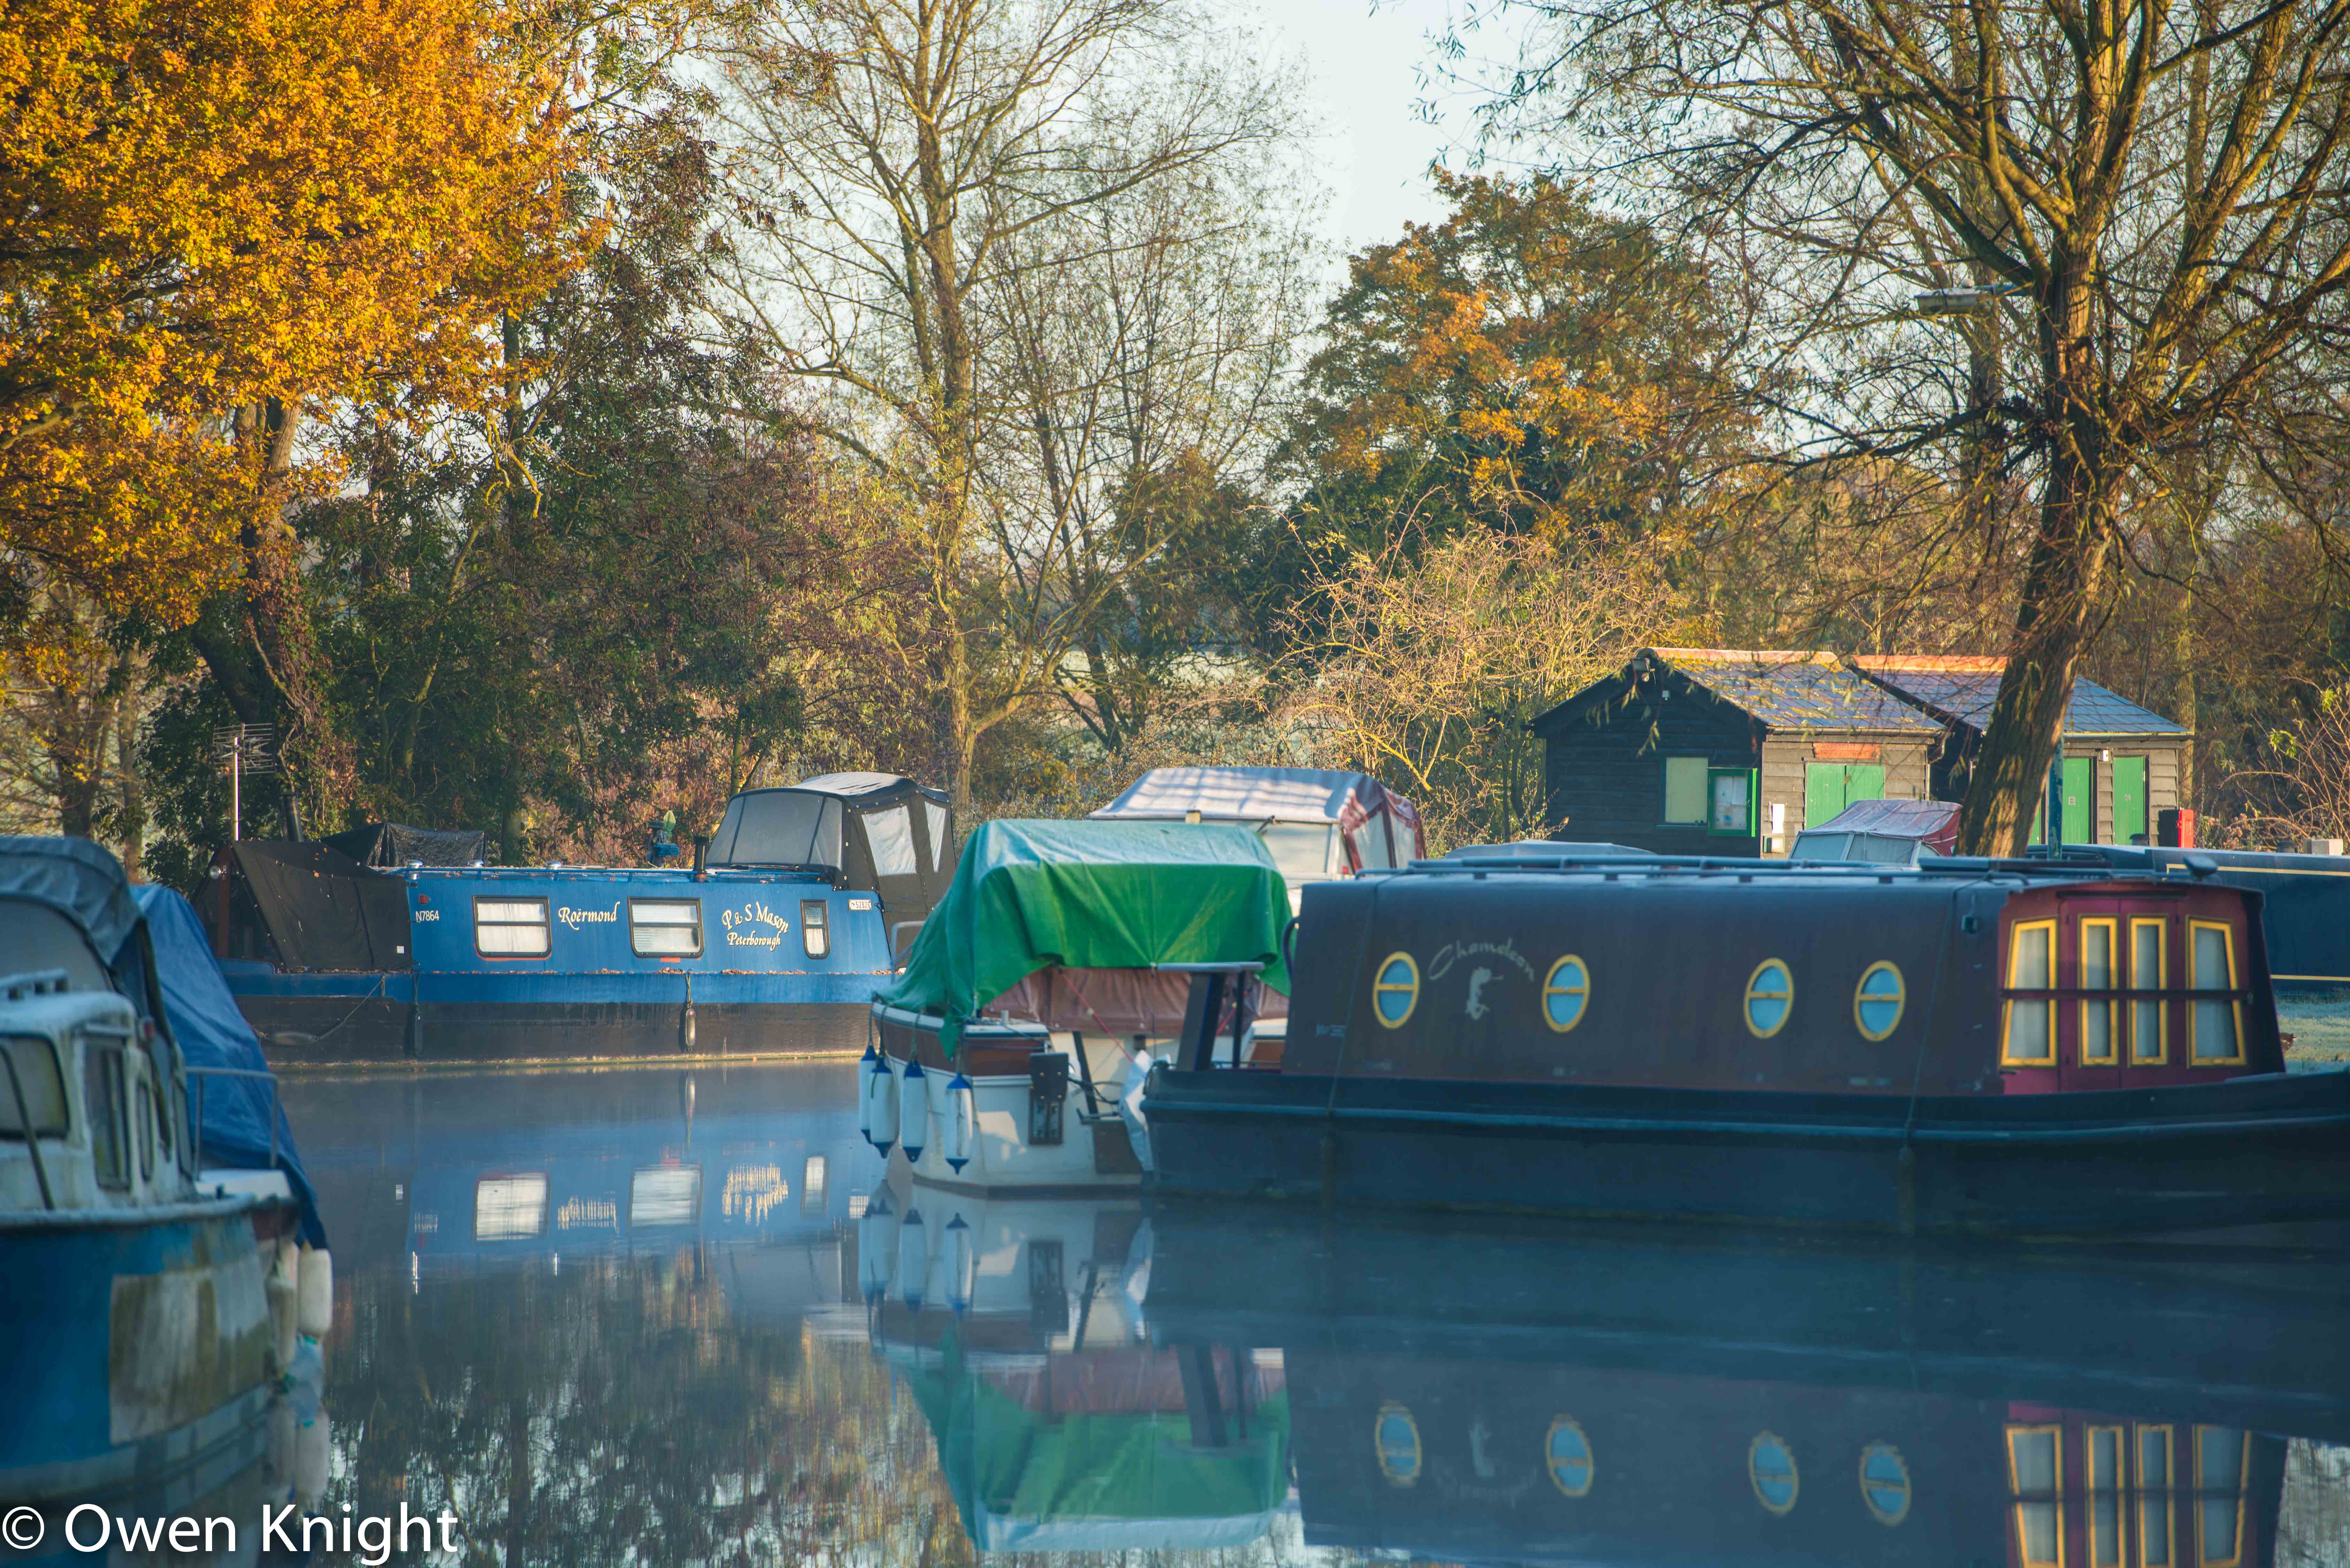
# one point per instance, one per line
(126, 755)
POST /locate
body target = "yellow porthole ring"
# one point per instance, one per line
(1770, 998)
(1771, 1469)
(1397, 978)
(1395, 1438)
(1876, 1009)
(1566, 1455)
(1885, 1483)
(1565, 993)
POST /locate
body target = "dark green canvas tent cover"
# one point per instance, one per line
(1093, 895)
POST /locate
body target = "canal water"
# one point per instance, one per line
(677, 1317)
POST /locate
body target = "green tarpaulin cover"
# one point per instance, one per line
(1093, 895)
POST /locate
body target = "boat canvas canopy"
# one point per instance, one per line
(320, 909)
(880, 832)
(211, 1032)
(387, 845)
(1256, 794)
(1092, 896)
(75, 878)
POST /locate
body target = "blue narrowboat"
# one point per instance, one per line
(787, 908)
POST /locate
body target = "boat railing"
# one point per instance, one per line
(197, 1080)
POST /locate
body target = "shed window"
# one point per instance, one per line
(1878, 999)
(2035, 1457)
(2149, 1019)
(665, 928)
(1566, 991)
(2214, 1036)
(2100, 1016)
(43, 1086)
(1394, 992)
(2030, 1037)
(1685, 790)
(1732, 796)
(510, 928)
(1770, 998)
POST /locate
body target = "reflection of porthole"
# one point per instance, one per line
(1396, 1437)
(1395, 990)
(1770, 998)
(1771, 1466)
(1566, 1454)
(1885, 1483)
(1876, 1001)
(1566, 989)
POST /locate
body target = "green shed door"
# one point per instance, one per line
(2129, 800)
(2080, 802)
(1863, 780)
(1822, 792)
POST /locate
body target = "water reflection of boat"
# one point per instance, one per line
(1016, 1327)
(1537, 1394)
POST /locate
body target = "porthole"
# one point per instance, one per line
(1878, 999)
(1395, 990)
(1396, 1435)
(1771, 1466)
(1885, 1483)
(1566, 1454)
(1566, 991)
(1770, 998)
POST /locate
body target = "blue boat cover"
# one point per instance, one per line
(79, 879)
(211, 1032)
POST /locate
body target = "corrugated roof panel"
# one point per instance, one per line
(1797, 691)
(1967, 694)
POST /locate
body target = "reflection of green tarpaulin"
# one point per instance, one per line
(1093, 895)
(1017, 1473)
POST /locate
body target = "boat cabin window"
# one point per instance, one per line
(2149, 1019)
(665, 928)
(1878, 999)
(778, 827)
(2104, 1493)
(1567, 993)
(102, 1102)
(1306, 851)
(2215, 1036)
(2030, 1034)
(2035, 1476)
(1394, 990)
(35, 937)
(1771, 1467)
(510, 928)
(510, 1207)
(2101, 1032)
(815, 931)
(2154, 1478)
(39, 1081)
(1566, 1454)
(941, 852)
(1770, 998)
(1371, 837)
(664, 1195)
(890, 835)
(2220, 1460)
(1885, 1483)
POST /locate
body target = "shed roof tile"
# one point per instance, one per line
(1796, 690)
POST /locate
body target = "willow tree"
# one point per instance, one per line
(915, 182)
(2136, 206)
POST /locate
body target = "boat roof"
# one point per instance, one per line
(1936, 820)
(1028, 895)
(1254, 794)
(79, 879)
(854, 785)
(1543, 849)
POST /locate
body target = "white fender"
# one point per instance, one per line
(881, 1104)
(317, 1287)
(875, 1252)
(913, 1258)
(914, 1112)
(865, 1065)
(1130, 1107)
(961, 1264)
(958, 1124)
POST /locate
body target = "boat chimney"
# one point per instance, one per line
(701, 855)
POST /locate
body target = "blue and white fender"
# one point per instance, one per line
(913, 1258)
(875, 1248)
(914, 1112)
(962, 1260)
(960, 1124)
(878, 1109)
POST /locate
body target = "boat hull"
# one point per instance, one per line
(2258, 1151)
(146, 1353)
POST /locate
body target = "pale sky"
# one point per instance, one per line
(1366, 68)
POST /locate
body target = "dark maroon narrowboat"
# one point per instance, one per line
(1968, 1046)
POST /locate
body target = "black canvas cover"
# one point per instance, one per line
(390, 845)
(880, 832)
(318, 908)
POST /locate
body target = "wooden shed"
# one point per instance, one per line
(1730, 751)
(2122, 764)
